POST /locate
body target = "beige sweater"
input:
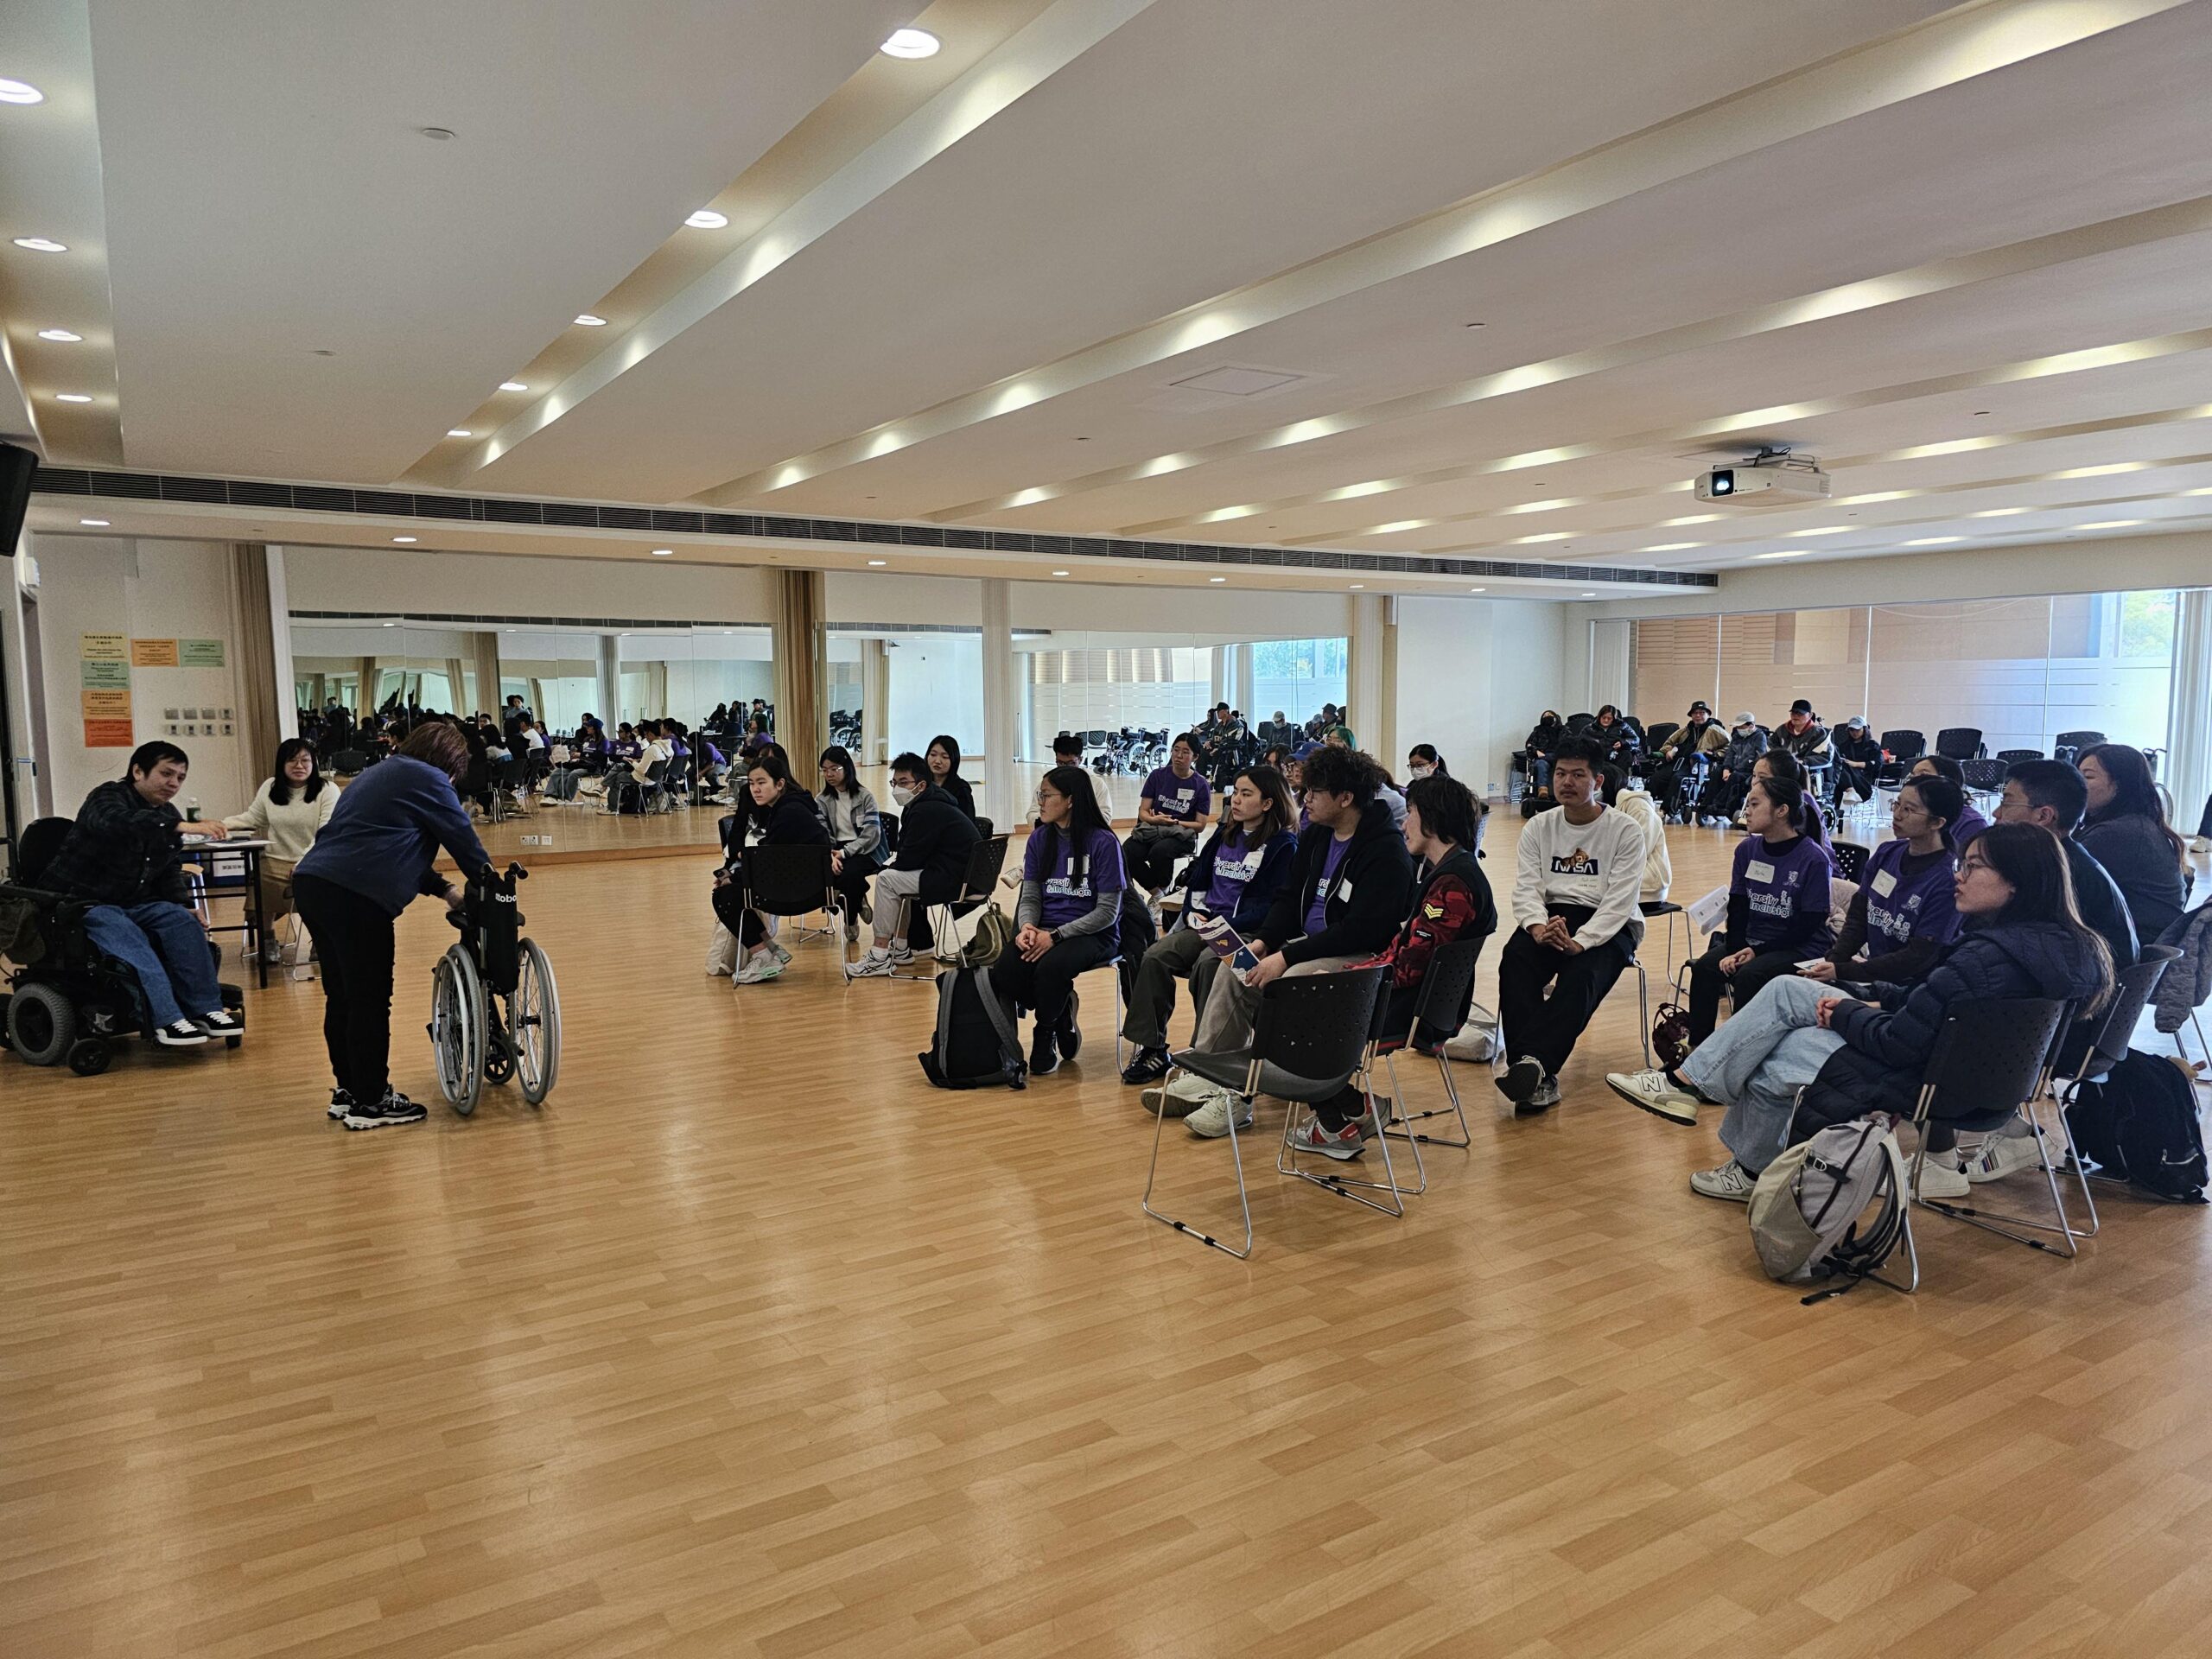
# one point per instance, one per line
(290, 828)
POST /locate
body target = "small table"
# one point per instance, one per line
(204, 850)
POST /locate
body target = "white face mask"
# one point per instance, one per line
(1419, 771)
(901, 794)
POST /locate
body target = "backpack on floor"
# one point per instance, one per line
(2140, 1126)
(1806, 1211)
(976, 1045)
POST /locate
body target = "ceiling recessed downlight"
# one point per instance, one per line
(400, 539)
(513, 385)
(879, 560)
(41, 245)
(912, 43)
(587, 320)
(96, 524)
(1357, 586)
(60, 334)
(392, 625)
(707, 220)
(1479, 590)
(664, 552)
(19, 92)
(1059, 573)
(1216, 578)
(72, 397)
(459, 432)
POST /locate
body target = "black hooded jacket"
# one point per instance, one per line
(1372, 892)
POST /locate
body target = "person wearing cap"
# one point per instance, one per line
(1804, 737)
(1857, 760)
(1746, 742)
(1691, 750)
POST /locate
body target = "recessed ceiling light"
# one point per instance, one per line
(587, 320)
(459, 432)
(41, 245)
(912, 43)
(1216, 578)
(879, 560)
(1589, 595)
(664, 552)
(392, 625)
(1786, 553)
(1824, 530)
(96, 524)
(61, 334)
(1478, 590)
(72, 397)
(1998, 512)
(2110, 524)
(509, 630)
(1059, 573)
(1672, 547)
(1357, 586)
(707, 220)
(400, 539)
(513, 385)
(436, 134)
(20, 92)
(1933, 541)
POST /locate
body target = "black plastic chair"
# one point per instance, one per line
(1992, 1059)
(2013, 757)
(1312, 1038)
(791, 880)
(2131, 995)
(1903, 747)
(986, 863)
(1447, 992)
(1984, 776)
(1960, 743)
(1850, 859)
(2068, 746)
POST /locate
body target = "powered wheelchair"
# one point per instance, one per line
(66, 999)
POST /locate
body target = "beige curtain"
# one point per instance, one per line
(484, 651)
(875, 703)
(801, 677)
(258, 727)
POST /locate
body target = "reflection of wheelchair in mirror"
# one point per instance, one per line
(495, 1013)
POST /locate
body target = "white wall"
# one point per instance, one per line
(937, 685)
(1472, 676)
(405, 580)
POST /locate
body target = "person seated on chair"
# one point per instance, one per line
(1534, 754)
(125, 857)
(783, 815)
(1575, 926)
(855, 834)
(1780, 766)
(1173, 802)
(1067, 751)
(1423, 761)
(1690, 750)
(1237, 873)
(2126, 830)
(2021, 937)
(291, 806)
(936, 840)
(1777, 906)
(2054, 796)
(1802, 737)
(1857, 758)
(1658, 863)
(1970, 821)
(1349, 890)
(944, 758)
(1618, 744)
(1902, 916)
(1454, 903)
(1068, 918)
(1746, 743)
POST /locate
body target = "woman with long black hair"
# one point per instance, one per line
(855, 834)
(2126, 830)
(943, 759)
(288, 811)
(783, 814)
(1069, 916)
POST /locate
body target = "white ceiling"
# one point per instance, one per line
(964, 291)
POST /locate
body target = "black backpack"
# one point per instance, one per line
(2139, 1125)
(976, 1045)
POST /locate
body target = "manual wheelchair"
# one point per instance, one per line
(495, 1012)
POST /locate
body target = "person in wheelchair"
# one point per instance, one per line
(125, 858)
(372, 859)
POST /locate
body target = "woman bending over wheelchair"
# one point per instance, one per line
(369, 863)
(125, 857)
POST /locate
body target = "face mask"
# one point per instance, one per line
(901, 794)
(1420, 772)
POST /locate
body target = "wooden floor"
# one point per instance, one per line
(749, 1343)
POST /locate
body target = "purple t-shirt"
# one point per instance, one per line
(1235, 863)
(1970, 824)
(1782, 884)
(1186, 799)
(1316, 915)
(1900, 906)
(1079, 875)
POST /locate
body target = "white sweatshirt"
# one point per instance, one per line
(290, 830)
(1599, 865)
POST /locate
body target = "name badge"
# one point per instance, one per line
(1184, 796)
(1885, 882)
(1344, 890)
(1758, 870)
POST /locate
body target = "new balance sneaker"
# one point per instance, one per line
(1519, 1081)
(1210, 1121)
(874, 962)
(1044, 1052)
(1652, 1091)
(1543, 1100)
(1067, 1034)
(1182, 1097)
(763, 965)
(1730, 1182)
(394, 1108)
(2002, 1155)
(1149, 1066)
(341, 1104)
(1939, 1178)
(221, 1023)
(181, 1033)
(1339, 1144)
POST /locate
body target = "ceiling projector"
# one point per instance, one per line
(1772, 478)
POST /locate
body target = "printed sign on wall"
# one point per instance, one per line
(102, 648)
(199, 653)
(153, 653)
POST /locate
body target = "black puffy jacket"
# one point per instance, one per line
(1886, 1049)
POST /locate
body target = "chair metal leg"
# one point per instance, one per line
(2006, 1226)
(1450, 1093)
(1236, 1157)
(1397, 1113)
(2073, 1158)
(1287, 1160)
(1644, 1010)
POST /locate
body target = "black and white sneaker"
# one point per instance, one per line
(394, 1108)
(1068, 1035)
(182, 1034)
(341, 1104)
(221, 1023)
(1519, 1081)
(1044, 1052)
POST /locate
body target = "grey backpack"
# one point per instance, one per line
(1808, 1209)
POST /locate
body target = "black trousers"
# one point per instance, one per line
(1857, 778)
(1708, 981)
(1546, 1028)
(1044, 986)
(852, 881)
(1151, 850)
(353, 942)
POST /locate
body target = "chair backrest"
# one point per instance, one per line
(1447, 989)
(1960, 742)
(1990, 1055)
(2011, 757)
(1655, 735)
(786, 880)
(656, 771)
(1987, 776)
(2130, 994)
(1905, 744)
(1851, 858)
(1317, 1026)
(985, 825)
(986, 861)
(36, 847)
(2079, 740)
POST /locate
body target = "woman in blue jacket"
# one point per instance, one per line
(2022, 938)
(1237, 873)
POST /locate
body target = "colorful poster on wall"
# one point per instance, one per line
(199, 653)
(95, 672)
(107, 718)
(153, 653)
(103, 647)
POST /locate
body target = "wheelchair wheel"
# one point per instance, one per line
(42, 1024)
(457, 1029)
(534, 1024)
(90, 1056)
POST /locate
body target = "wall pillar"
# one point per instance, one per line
(1000, 802)
(875, 704)
(484, 650)
(1364, 682)
(610, 683)
(1240, 693)
(801, 650)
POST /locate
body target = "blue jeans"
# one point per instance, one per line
(167, 948)
(1771, 1048)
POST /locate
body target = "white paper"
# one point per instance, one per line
(1710, 913)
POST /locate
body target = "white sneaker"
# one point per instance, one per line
(2003, 1155)
(1730, 1182)
(782, 955)
(1941, 1179)
(764, 965)
(1651, 1090)
(1546, 1098)
(874, 962)
(181, 1033)
(721, 970)
(1210, 1121)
